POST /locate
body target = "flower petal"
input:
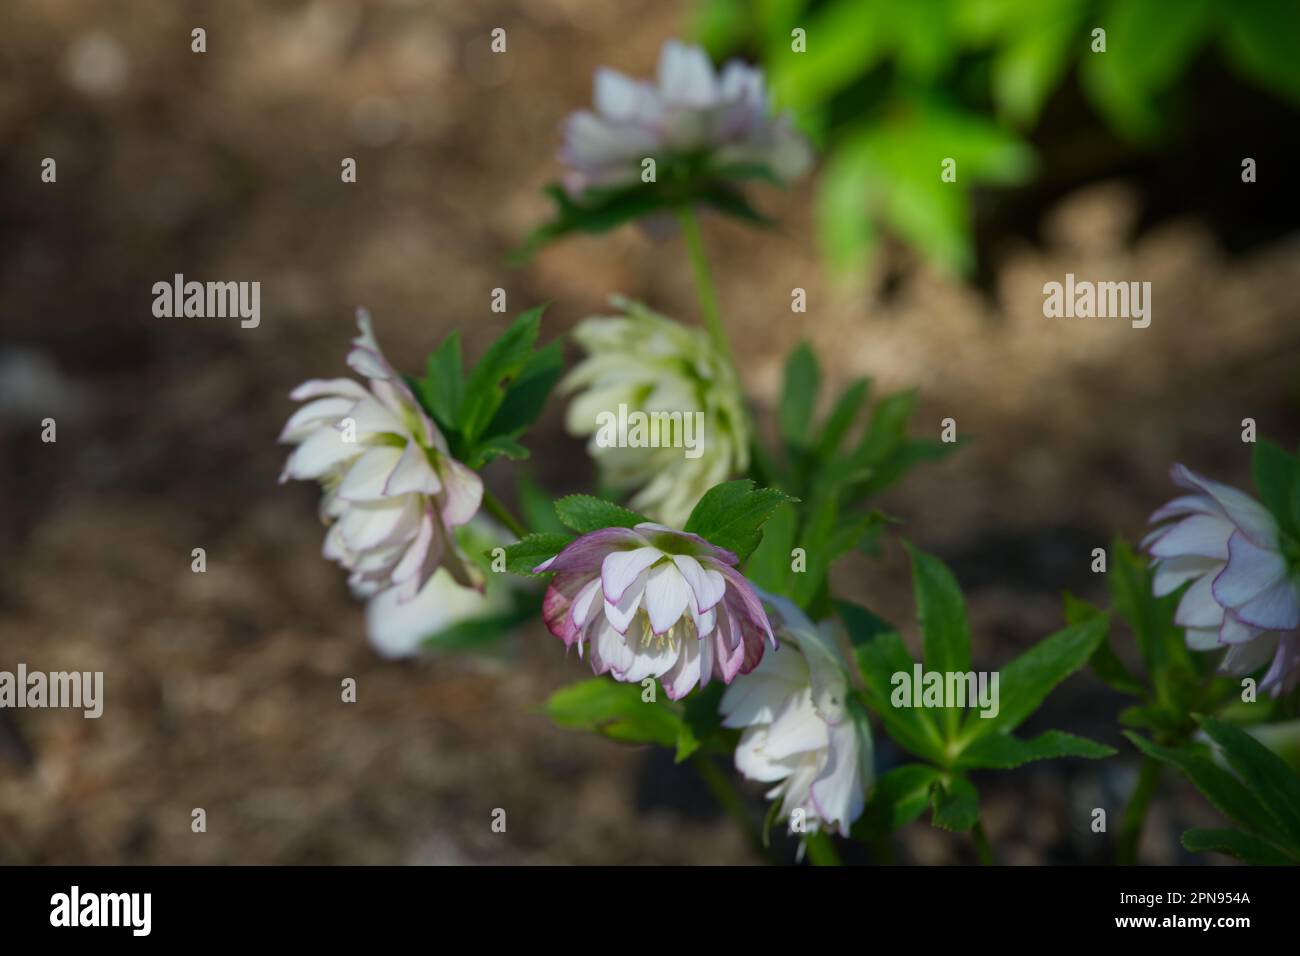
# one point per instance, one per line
(620, 568)
(666, 596)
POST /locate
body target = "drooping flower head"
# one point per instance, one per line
(800, 732)
(651, 364)
(650, 601)
(1245, 591)
(691, 114)
(392, 491)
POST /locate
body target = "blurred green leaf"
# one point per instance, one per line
(798, 396)
(1245, 847)
(615, 710)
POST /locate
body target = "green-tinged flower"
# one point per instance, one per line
(662, 408)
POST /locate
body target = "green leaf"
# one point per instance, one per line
(1161, 642)
(585, 513)
(731, 515)
(496, 447)
(1275, 477)
(898, 798)
(501, 363)
(956, 804)
(1245, 847)
(616, 711)
(769, 565)
(1105, 662)
(1261, 40)
(1217, 785)
(879, 652)
(526, 396)
(1003, 752)
(798, 396)
(524, 555)
(1148, 44)
(841, 419)
(442, 387)
(1264, 773)
(941, 611)
(1028, 679)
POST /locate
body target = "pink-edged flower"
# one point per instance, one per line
(799, 731)
(392, 491)
(692, 113)
(650, 601)
(1245, 594)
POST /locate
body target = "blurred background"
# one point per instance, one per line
(222, 689)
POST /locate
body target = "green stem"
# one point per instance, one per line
(730, 801)
(704, 282)
(1130, 833)
(493, 506)
(982, 847)
(821, 850)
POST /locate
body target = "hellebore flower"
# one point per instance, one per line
(1245, 592)
(650, 601)
(392, 492)
(800, 732)
(650, 364)
(709, 120)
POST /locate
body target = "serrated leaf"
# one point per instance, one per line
(1244, 846)
(1027, 680)
(1003, 752)
(586, 513)
(1217, 785)
(501, 363)
(528, 553)
(879, 652)
(526, 396)
(956, 805)
(442, 387)
(1264, 773)
(941, 611)
(898, 798)
(616, 711)
(731, 515)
